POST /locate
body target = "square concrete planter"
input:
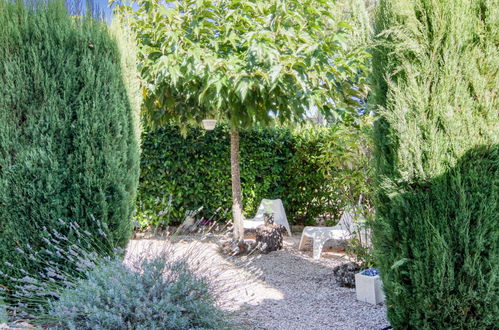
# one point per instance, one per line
(369, 288)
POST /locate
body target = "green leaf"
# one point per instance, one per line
(399, 263)
(199, 40)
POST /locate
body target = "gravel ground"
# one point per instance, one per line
(286, 289)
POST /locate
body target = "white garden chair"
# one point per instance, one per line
(320, 235)
(269, 206)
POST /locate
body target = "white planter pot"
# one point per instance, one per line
(369, 288)
(209, 124)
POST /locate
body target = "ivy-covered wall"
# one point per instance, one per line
(307, 169)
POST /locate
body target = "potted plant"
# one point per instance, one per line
(209, 124)
(369, 287)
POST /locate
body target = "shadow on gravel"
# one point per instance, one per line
(285, 289)
(309, 299)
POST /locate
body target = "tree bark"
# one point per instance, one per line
(237, 200)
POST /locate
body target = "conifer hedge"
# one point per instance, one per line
(68, 140)
(437, 162)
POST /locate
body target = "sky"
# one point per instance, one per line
(103, 4)
(104, 7)
(75, 7)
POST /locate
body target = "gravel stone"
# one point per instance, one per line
(284, 289)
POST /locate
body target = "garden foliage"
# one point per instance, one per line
(154, 287)
(159, 294)
(3, 313)
(437, 161)
(209, 59)
(246, 63)
(68, 140)
(315, 171)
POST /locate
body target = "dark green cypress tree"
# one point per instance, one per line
(68, 142)
(437, 161)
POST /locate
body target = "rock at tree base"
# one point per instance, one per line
(237, 248)
(269, 237)
(345, 274)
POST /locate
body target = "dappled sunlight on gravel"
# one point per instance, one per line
(286, 289)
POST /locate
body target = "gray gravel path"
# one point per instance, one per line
(281, 290)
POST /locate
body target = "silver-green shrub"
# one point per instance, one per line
(148, 288)
(154, 293)
(3, 313)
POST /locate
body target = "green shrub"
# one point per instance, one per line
(67, 144)
(441, 248)
(152, 287)
(195, 170)
(436, 238)
(306, 168)
(129, 71)
(3, 313)
(157, 293)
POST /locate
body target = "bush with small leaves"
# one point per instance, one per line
(3, 313)
(108, 289)
(315, 171)
(156, 293)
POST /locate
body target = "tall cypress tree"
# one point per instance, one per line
(68, 151)
(437, 162)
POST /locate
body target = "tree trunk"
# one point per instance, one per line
(237, 200)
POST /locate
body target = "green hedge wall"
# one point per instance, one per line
(436, 237)
(68, 141)
(195, 170)
(304, 168)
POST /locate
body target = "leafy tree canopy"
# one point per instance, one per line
(247, 62)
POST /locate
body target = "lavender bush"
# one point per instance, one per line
(80, 288)
(155, 294)
(61, 263)
(3, 313)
